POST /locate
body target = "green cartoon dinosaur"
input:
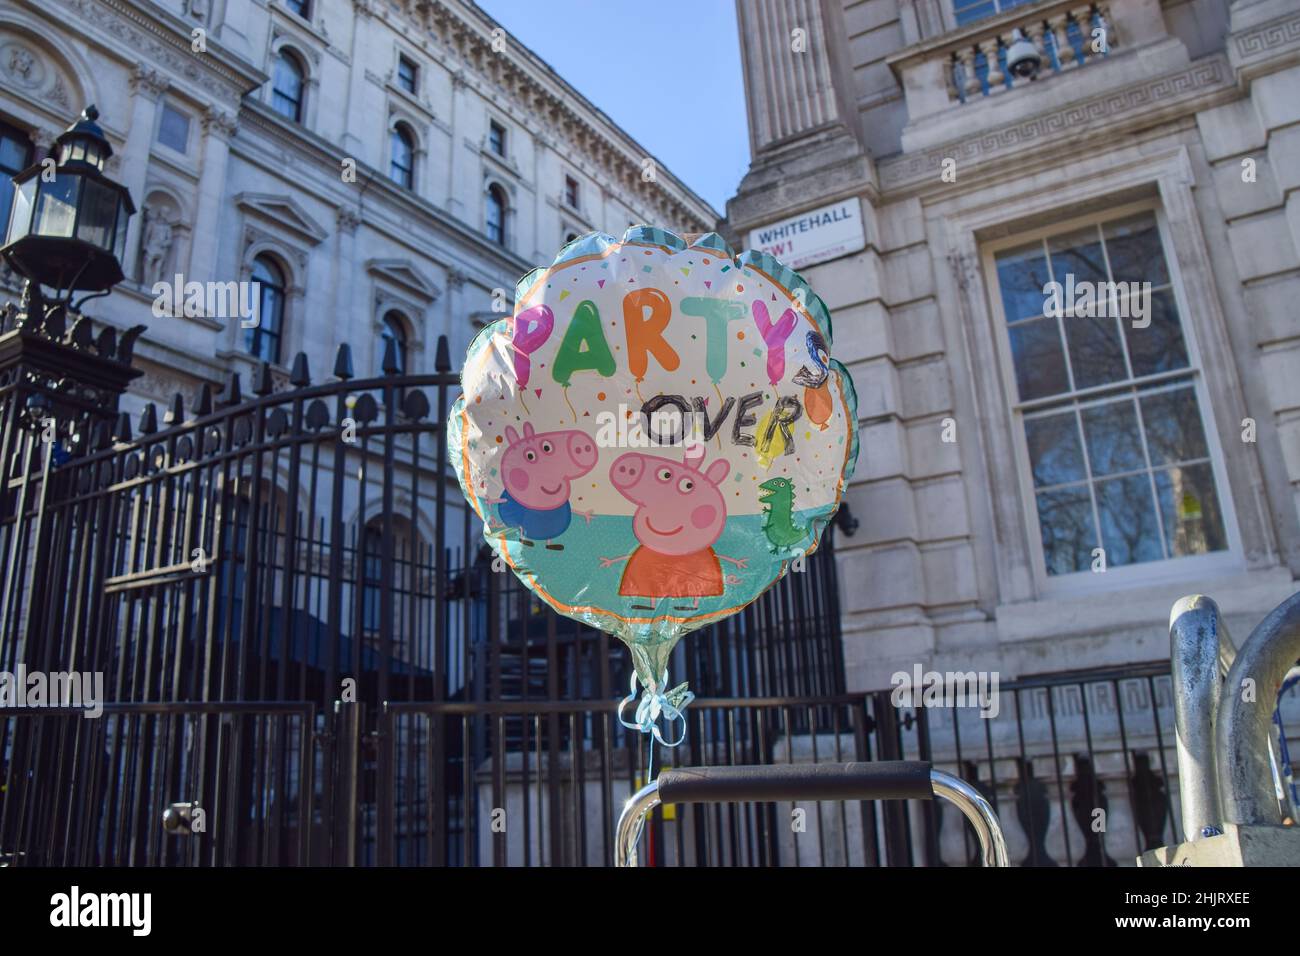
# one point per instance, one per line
(778, 514)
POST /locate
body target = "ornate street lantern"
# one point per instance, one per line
(67, 224)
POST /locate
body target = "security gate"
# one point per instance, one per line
(305, 656)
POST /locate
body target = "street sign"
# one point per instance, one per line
(815, 236)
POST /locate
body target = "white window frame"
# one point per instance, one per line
(1148, 572)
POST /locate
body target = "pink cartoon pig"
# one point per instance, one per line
(679, 516)
(536, 470)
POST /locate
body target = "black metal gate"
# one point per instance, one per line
(299, 638)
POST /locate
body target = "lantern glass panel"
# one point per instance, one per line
(98, 211)
(56, 206)
(119, 244)
(78, 152)
(20, 220)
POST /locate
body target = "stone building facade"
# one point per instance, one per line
(930, 195)
(389, 167)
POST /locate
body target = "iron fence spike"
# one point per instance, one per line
(149, 419)
(300, 376)
(343, 362)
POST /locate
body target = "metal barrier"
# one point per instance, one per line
(885, 780)
(1245, 767)
(1227, 768)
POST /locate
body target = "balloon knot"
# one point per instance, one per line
(654, 704)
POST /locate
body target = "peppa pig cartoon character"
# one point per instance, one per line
(679, 516)
(537, 469)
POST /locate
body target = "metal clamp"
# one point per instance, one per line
(892, 780)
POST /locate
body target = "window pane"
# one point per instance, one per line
(1173, 424)
(174, 129)
(1055, 454)
(1133, 246)
(1111, 431)
(287, 88)
(1078, 254)
(976, 11)
(1096, 356)
(1129, 531)
(1039, 361)
(14, 151)
(1065, 519)
(1189, 506)
(1159, 347)
(1022, 273)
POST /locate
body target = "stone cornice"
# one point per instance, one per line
(1266, 47)
(540, 92)
(164, 39)
(1114, 111)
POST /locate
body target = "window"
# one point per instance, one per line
(571, 192)
(263, 340)
(174, 129)
(1107, 398)
(287, 83)
(300, 7)
(393, 330)
(497, 138)
(406, 73)
(968, 11)
(496, 215)
(401, 165)
(15, 156)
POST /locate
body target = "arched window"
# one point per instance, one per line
(496, 215)
(394, 330)
(401, 167)
(263, 340)
(287, 81)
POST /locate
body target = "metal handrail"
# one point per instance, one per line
(972, 804)
(1247, 792)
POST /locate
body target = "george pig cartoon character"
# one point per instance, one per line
(679, 516)
(536, 470)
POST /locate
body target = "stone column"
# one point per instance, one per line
(218, 128)
(147, 87)
(789, 73)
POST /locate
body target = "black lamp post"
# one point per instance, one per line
(67, 225)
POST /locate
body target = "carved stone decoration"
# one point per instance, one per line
(198, 9)
(145, 79)
(219, 122)
(348, 221)
(24, 67)
(156, 241)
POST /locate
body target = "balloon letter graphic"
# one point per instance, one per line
(716, 314)
(646, 334)
(583, 330)
(774, 337)
(532, 328)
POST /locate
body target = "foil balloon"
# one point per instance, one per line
(655, 436)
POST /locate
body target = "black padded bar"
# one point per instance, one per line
(883, 780)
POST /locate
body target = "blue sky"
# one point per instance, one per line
(667, 71)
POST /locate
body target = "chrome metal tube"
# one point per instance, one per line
(1248, 697)
(1200, 652)
(629, 823)
(993, 846)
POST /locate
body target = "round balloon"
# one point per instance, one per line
(656, 434)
